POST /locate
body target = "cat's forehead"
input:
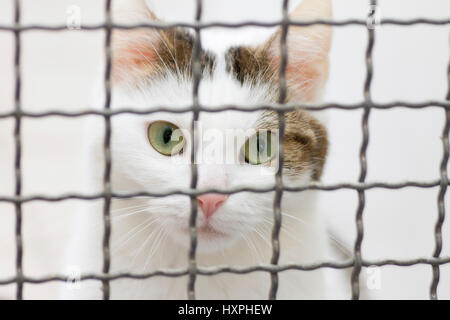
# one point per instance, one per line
(221, 86)
(213, 94)
(236, 75)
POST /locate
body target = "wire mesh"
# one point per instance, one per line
(197, 74)
(363, 160)
(356, 263)
(18, 154)
(107, 153)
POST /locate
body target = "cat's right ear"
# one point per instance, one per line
(307, 49)
(134, 51)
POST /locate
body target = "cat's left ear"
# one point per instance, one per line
(307, 48)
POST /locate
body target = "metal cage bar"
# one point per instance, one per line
(448, 78)
(18, 153)
(107, 154)
(356, 263)
(277, 216)
(161, 25)
(197, 192)
(269, 106)
(441, 197)
(235, 270)
(363, 157)
(197, 75)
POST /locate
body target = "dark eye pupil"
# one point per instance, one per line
(167, 135)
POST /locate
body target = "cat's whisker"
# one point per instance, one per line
(127, 214)
(285, 229)
(118, 216)
(258, 247)
(340, 245)
(137, 250)
(157, 233)
(156, 245)
(294, 218)
(114, 216)
(250, 245)
(284, 214)
(127, 237)
(145, 207)
(127, 208)
(258, 233)
(117, 244)
(148, 259)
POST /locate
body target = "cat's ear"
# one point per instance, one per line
(307, 48)
(134, 51)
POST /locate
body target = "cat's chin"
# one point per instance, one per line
(209, 239)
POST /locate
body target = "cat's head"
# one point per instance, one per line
(153, 68)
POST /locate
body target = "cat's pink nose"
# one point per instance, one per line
(210, 202)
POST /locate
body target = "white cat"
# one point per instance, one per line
(151, 153)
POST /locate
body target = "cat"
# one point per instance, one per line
(151, 152)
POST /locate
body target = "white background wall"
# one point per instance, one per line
(410, 64)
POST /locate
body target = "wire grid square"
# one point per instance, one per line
(356, 263)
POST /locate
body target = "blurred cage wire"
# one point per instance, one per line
(356, 262)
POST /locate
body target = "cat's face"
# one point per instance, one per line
(235, 149)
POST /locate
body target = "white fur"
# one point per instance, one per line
(152, 233)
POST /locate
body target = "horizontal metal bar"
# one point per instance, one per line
(161, 25)
(273, 107)
(209, 271)
(198, 192)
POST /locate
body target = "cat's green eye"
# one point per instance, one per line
(260, 148)
(166, 138)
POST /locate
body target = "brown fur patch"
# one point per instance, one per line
(250, 65)
(176, 53)
(147, 53)
(305, 141)
(256, 66)
(305, 76)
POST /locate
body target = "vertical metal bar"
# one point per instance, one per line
(277, 216)
(363, 159)
(448, 81)
(441, 198)
(107, 153)
(18, 152)
(197, 75)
